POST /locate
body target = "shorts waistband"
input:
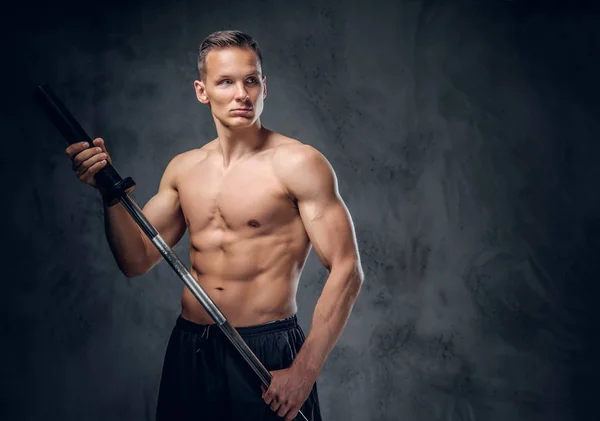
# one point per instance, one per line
(269, 327)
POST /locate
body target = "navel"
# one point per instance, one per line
(253, 223)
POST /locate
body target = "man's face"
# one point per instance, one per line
(233, 86)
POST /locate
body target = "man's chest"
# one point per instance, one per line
(246, 197)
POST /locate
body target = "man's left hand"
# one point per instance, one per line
(288, 391)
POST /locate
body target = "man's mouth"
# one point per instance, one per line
(242, 111)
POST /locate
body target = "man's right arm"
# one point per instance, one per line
(133, 251)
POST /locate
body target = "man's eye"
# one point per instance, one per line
(224, 81)
(252, 80)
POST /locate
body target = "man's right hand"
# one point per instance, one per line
(88, 160)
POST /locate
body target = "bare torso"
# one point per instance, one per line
(248, 244)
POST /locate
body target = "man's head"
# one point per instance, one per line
(231, 80)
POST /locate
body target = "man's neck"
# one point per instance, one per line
(236, 144)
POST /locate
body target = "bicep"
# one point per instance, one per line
(163, 210)
(329, 227)
(310, 178)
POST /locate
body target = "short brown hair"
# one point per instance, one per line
(225, 39)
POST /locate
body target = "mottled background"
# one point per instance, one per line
(465, 138)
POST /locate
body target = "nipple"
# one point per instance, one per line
(253, 223)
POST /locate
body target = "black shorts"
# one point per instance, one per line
(205, 379)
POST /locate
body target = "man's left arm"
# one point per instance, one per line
(310, 180)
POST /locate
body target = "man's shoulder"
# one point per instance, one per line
(184, 160)
(296, 163)
(295, 155)
(289, 151)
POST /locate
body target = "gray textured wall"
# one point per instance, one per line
(465, 139)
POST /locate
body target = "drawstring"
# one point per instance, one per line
(206, 330)
(204, 335)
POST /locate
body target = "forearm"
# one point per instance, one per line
(126, 241)
(330, 317)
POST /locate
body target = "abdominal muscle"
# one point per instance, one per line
(251, 280)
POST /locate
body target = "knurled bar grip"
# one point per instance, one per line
(118, 189)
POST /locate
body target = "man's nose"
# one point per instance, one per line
(241, 93)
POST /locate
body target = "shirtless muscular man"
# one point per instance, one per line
(254, 202)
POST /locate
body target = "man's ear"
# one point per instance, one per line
(199, 87)
(264, 87)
